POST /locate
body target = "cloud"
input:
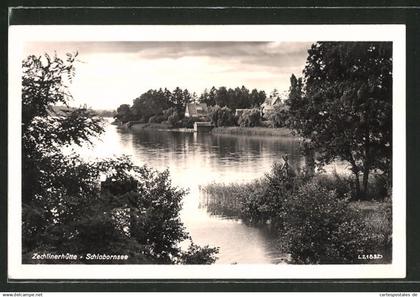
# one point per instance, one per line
(274, 54)
(117, 72)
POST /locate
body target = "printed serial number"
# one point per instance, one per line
(370, 257)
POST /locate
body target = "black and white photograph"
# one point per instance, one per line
(178, 152)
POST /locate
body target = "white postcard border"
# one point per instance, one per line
(18, 35)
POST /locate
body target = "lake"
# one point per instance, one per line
(195, 160)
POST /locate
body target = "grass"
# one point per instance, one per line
(251, 131)
(227, 200)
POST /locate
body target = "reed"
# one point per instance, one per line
(253, 131)
(228, 200)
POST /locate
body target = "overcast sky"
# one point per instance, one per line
(113, 73)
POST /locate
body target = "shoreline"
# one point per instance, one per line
(231, 130)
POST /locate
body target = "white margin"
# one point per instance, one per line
(18, 35)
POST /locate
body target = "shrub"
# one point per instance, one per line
(321, 228)
(379, 187)
(342, 185)
(250, 118)
(278, 117)
(187, 122)
(174, 119)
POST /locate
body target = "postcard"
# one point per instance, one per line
(206, 152)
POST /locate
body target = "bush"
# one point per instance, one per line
(199, 255)
(134, 212)
(266, 124)
(278, 117)
(321, 228)
(342, 185)
(379, 187)
(250, 118)
(187, 123)
(269, 205)
(174, 119)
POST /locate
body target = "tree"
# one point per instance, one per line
(221, 116)
(346, 108)
(208, 97)
(295, 100)
(321, 228)
(44, 132)
(257, 98)
(250, 118)
(180, 98)
(151, 103)
(124, 113)
(278, 116)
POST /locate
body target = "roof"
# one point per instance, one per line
(271, 101)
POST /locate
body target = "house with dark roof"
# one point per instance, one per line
(195, 110)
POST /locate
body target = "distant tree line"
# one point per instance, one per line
(163, 105)
(105, 113)
(238, 98)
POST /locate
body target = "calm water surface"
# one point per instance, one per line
(198, 159)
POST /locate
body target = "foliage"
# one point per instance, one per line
(124, 113)
(346, 107)
(180, 98)
(175, 118)
(155, 102)
(151, 103)
(134, 211)
(70, 205)
(379, 189)
(221, 116)
(250, 118)
(279, 116)
(233, 98)
(189, 122)
(342, 185)
(44, 132)
(282, 183)
(321, 228)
